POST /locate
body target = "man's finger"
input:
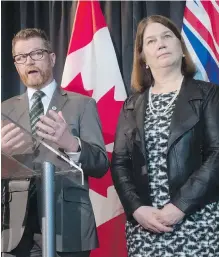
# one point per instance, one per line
(7, 128)
(56, 116)
(18, 145)
(12, 144)
(46, 136)
(48, 121)
(61, 115)
(13, 137)
(44, 128)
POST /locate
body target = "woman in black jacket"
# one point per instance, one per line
(165, 163)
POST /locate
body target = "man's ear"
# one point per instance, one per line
(16, 66)
(53, 59)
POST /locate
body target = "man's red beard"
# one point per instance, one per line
(41, 79)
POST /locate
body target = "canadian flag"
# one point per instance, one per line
(91, 69)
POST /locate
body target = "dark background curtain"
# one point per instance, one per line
(56, 18)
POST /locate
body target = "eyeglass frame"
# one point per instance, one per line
(29, 54)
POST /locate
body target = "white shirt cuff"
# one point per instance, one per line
(74, 156)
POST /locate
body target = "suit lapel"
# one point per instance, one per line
(21, 112)
(184, 116)
(57, 102)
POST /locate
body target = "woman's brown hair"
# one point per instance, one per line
(141, 77)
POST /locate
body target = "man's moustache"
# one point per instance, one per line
(33, 69)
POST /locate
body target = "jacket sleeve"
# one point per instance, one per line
(204, 183)
(121, 169)
(93, 155)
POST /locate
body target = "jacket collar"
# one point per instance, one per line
(22, 106)
(184, 116)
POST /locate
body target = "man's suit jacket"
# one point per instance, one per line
(75, 222)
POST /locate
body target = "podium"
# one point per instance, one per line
(32, 167)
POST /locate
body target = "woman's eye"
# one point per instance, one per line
(151, 41)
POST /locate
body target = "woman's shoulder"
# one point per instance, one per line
(206, 88)
(131, 100)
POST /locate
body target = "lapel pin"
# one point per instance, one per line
(54, 108)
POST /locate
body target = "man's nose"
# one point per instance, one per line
(29, 61)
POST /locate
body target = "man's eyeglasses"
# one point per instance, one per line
(34, 55)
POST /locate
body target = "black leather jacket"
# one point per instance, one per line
(192, 155)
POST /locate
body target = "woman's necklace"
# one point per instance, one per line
(166, 109)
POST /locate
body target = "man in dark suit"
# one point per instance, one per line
(64, 120)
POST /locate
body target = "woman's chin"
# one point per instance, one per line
(166, 64)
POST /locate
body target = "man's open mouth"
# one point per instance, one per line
(33, 72)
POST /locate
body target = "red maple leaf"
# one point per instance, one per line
(109, 109)
(76, 85)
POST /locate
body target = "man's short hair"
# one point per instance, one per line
(26, 34)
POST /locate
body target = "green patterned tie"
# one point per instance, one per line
(36, 110)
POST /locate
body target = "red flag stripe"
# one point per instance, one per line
(204, 33)
(111, 241)
(214, 17)
(83, 30)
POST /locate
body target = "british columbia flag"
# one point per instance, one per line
(201, 34)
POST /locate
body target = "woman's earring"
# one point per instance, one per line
(147, 67)
(183, 55)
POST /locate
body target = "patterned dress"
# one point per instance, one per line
(198, 234)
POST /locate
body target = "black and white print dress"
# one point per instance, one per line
(198, 234)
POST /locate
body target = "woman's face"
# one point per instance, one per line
(161, 47)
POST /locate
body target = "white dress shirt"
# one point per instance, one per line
(49, 91)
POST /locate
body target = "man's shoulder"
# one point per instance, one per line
(10, 100)
(9, 103)
(8, 106)
(72, 96)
